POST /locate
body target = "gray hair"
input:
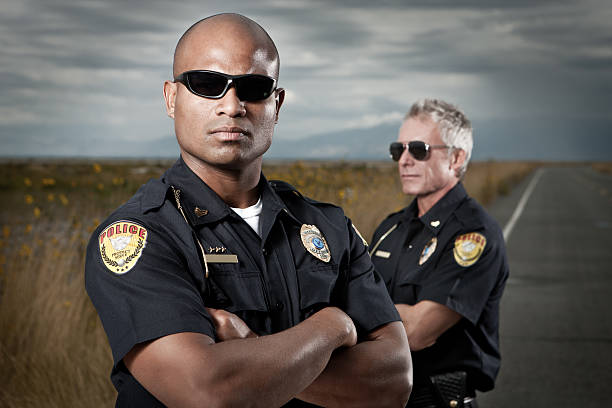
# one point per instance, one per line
(455, 128)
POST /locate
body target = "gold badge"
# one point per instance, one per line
(121, 245)
(314, 242)
(428, 250)
(468, 248)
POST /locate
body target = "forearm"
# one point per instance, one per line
(374, 373)
(270, 370)
(425, 322)
(411, 322)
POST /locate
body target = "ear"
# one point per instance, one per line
(280, 97)
(170, 97)
(457, 160)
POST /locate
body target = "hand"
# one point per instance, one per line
(339, 323)
(229, 326)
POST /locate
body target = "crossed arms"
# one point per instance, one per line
(319, 361)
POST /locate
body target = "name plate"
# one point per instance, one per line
(382, 254)
(221, 258)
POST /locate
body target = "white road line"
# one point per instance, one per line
(521, 204)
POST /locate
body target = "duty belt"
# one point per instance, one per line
(443, 391)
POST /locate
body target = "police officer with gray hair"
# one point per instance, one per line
(443, 260)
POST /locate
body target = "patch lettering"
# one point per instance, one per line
(468, 248)
(121, 245)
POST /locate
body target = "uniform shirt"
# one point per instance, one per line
(145, 271)
(453, 255)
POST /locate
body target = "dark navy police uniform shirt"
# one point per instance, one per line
(453, 255)
(146, 276)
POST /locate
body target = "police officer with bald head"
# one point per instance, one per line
(443, 260)
(217, 287)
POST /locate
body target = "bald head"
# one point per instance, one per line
(233, 31)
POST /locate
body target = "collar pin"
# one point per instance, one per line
(200, 212)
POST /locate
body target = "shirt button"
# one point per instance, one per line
(264, 251)
(279, 306)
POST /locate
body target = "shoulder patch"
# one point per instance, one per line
(468, 248)
(121, 245)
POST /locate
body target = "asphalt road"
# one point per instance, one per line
(556, 316)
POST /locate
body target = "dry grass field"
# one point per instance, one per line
(53, 351)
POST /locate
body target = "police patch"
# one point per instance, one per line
(468, 248)
(428, 250)
(314, 242)
(121, 245)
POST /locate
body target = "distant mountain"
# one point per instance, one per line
(370, 143)
(497, 139)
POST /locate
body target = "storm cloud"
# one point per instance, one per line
(85, 78)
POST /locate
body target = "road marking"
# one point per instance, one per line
(521, 204)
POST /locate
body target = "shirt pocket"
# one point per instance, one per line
(234, 290)
(317, 286)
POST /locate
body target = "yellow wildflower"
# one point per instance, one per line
(51, 197)
(28, 228)
(97, 168)
(25, 250)
(29, 199)
(37, 212)
(48, 181)
(63, 199)
(27, 182)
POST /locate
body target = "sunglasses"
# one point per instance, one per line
(214, 85)
(417, 149)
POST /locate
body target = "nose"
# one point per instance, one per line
(230, 105)
(406, 159)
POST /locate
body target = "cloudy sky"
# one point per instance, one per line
(84, 78)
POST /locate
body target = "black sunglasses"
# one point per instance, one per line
(417, 149)
(214, 85)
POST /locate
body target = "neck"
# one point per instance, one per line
(236, 186)
(426, 201)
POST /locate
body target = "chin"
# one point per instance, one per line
(411, 189)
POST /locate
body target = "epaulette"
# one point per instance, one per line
(470, 214)
(153, 195)
(280, 186)
(393, 214)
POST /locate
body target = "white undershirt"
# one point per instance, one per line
(251, 215)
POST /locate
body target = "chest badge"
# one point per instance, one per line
(428, 250)
(468, 248)
(314, 242)
(121, 245)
